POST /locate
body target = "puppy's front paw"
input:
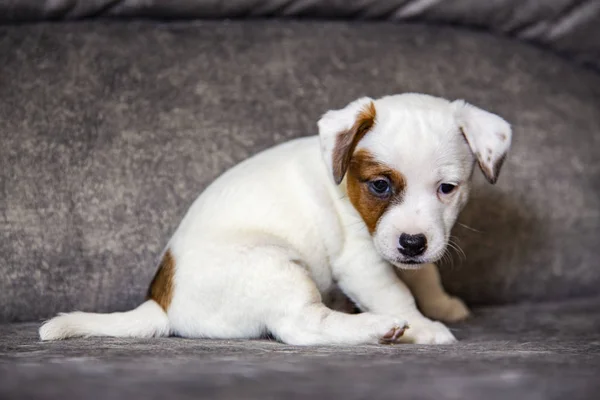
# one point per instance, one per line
(393, 335)
(446, 309)
(388, 330)
(424, 331)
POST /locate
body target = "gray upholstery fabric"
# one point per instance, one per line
(570, 26)
(110, 131)
(549, 351)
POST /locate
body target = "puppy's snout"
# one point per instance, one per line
(412, 245)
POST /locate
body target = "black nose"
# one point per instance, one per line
(412, 245)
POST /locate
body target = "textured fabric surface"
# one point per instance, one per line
(549, 351)
(110, 131)
(570, 26)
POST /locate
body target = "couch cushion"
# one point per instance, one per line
(548, 351)
(110, 130)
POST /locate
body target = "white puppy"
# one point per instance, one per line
(380, 187)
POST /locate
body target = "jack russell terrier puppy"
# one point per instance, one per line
(379, 188)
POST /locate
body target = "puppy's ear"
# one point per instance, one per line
(488, 135)
(341, 130)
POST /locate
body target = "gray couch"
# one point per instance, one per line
(110, 127)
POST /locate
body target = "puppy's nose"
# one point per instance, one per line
(412, 245)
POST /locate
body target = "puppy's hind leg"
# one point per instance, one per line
(300, 318)
(250, 287)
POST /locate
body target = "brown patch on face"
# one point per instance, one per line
(161, 288)
(346, 141)
(502, 136)
(363, 169)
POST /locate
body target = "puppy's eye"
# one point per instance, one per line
(446, 188)
(380, 187)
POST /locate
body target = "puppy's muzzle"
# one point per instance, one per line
(412, 245)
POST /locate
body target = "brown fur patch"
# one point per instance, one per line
(346, 141)
(161, 288)
(364, 168)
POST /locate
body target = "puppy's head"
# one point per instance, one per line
(405, 163)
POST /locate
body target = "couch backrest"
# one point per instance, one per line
(571, 27)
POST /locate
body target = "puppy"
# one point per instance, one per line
(379, 188)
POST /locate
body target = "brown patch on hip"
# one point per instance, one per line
(161, 287)
(364, 167)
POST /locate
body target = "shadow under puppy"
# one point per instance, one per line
(378, 189)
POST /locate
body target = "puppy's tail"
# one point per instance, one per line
(148, 320)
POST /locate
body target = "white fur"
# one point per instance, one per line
(260, 247)
(489, 136)
(148, 320)
(418, 135)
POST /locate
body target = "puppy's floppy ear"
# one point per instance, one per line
(341, 130)
(488, 135)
